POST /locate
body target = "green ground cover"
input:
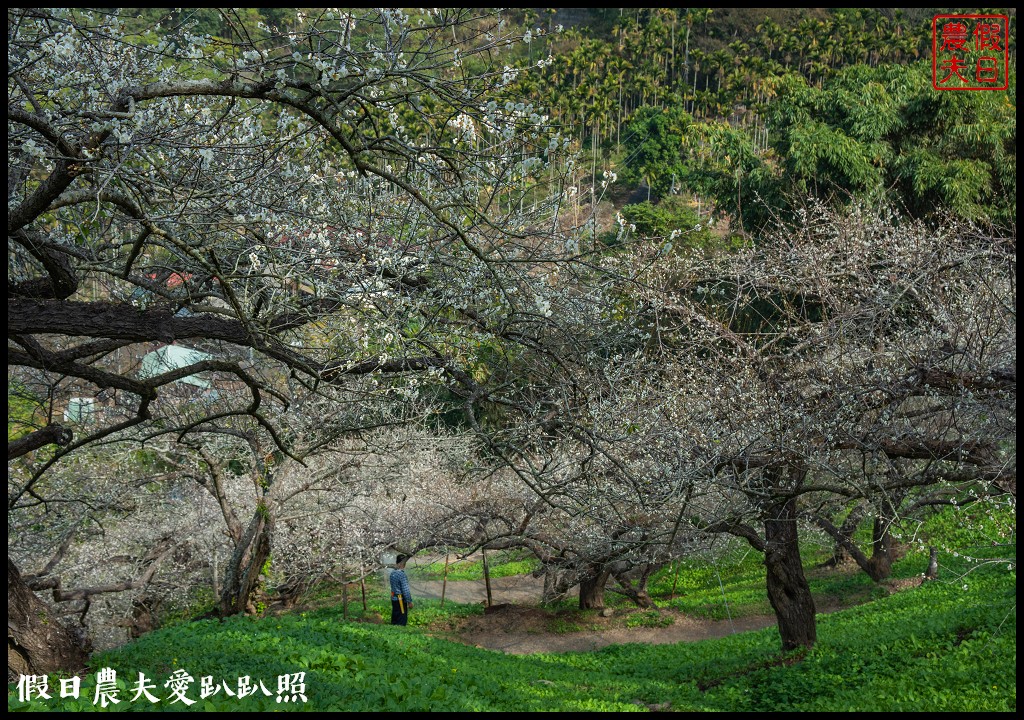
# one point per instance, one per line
(947, 645)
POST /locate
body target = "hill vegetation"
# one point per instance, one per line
(947, 645)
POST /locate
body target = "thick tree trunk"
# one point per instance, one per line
(788, 591)
(242, 576)
(37, 642)
(879, 567)
(592, 583)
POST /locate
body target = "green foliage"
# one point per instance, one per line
(429, 613)
(699, 581)
(654, 146)
(911, 662)
(649, 619)
(500, 564)
(939, 647)
(672, 220)
(201, 602)
(948, 645)
(969, 537)
(727, 167)
(759, 109)
(24, 411)
(565, 625)
(874, 130)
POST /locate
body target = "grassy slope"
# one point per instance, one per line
(944, 646)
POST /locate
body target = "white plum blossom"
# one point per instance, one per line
(465, 125)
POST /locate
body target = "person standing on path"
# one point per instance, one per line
(401, 595)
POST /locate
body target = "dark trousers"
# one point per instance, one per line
(397, 616)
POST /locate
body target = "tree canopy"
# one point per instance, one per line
(337, 208)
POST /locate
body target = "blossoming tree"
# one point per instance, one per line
(852, 357)
(202, 229)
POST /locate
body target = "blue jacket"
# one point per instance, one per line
(400, 586)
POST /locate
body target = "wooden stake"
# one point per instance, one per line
(487, 576)
(444, 583)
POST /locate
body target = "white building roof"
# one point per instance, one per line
(172, 357)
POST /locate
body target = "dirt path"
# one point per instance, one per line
(518, 626)
(496, 633)
(516, 623)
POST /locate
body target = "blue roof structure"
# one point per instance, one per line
(172, 357)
